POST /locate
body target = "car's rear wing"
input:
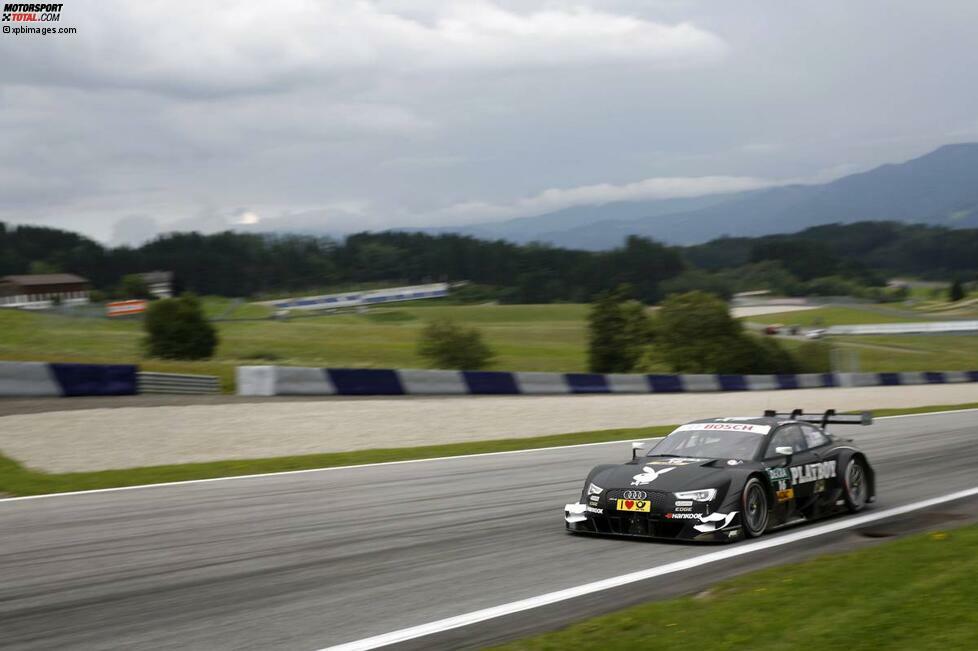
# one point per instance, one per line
(828, 418)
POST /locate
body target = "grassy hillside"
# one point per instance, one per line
(916, 593)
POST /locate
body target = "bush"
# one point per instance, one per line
(472, 293)
(771, 357)
(176, 329)
(956, 293)
(814, 357)
(619, 333)
(134, 286)
(696, 334)
(698, 280)
(446, 344)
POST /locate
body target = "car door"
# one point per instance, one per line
(797, 476)
(826, 455)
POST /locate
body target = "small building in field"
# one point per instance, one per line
(160, 283)
(43, 290)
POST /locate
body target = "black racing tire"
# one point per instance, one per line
(855, 485)
(756, 512)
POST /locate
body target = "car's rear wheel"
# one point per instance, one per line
(856, 485)
(756, 513)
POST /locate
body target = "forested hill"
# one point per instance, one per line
(823, 259)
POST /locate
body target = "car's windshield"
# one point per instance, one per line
(713, 441)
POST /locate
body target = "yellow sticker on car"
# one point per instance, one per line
(634, 505)
(785, 495)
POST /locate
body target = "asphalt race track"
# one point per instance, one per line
(305, 561)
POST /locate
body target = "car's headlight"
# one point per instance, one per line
(594, 489)
(704, 495)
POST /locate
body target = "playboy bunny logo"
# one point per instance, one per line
(649, 475)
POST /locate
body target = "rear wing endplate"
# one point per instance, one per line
(828, 418)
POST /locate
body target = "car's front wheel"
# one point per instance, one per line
(856, 492)
(756, 512)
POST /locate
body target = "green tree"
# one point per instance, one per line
(446, 344)
(814, 357)
(956, 292)
(43, 267)
(134, 286)
(695, 333)
(619, 332)
(177, 329)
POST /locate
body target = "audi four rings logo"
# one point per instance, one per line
(634, 495)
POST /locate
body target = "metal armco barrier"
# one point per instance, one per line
(150, 382)
(291, 380)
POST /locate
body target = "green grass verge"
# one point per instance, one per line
(15, 479)
(913, 352)
(915, 593)
(524, 338)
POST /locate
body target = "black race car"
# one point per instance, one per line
(721, 479)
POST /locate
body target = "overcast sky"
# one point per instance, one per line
(349, 115)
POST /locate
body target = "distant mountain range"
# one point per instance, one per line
(939, 188)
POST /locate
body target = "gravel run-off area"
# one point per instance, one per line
(126, 437)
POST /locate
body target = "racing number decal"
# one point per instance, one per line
(781, 480)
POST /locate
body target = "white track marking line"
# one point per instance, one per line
(389, 463)
(741, 549)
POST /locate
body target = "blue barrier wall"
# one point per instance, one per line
(96, 379)
(40, 379)
(284, 380)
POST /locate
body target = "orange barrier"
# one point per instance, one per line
(125, 308)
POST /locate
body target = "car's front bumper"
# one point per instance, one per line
(712, 527)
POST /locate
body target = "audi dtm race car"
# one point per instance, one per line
(721, 479)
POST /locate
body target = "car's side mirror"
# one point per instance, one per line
(786, 451)
(636, 446)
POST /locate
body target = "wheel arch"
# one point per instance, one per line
(848, 455)
(859, 455)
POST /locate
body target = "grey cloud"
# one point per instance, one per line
(337, 116)
(239, 47)
(134, 230)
